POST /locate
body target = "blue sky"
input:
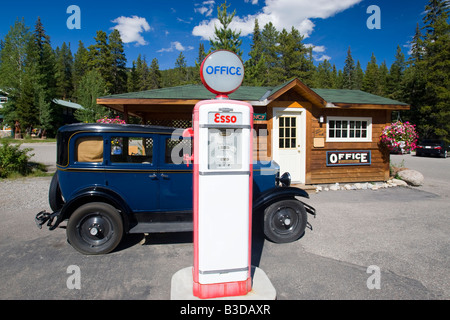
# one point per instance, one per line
(161, 29)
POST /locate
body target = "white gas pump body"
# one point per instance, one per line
(222, 175)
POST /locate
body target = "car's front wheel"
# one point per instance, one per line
(285, 221)
(95, 228)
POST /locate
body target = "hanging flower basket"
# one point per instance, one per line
(399, 136)
(116, 120)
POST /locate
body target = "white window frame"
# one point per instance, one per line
(368, 137)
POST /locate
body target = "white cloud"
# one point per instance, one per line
(176, 45)
(322, 57)
(283, 14)
(318, 49)
(130, 29)
(315, 48)
(206, 7)
(252, 1)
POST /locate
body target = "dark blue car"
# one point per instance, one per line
(117, 179)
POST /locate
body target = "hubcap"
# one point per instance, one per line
(284, 220)
(95, 229)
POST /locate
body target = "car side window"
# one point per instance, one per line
(89, 149)
(176, 149)
(132, 150)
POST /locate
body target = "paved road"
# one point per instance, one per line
(402, 232)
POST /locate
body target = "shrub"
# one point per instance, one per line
(13, 159)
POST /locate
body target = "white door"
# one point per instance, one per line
(289, 142)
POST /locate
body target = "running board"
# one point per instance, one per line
(161, 227)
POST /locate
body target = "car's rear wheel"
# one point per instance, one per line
(95, 228)
(285, 221)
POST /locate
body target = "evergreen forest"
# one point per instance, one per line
(33, 73)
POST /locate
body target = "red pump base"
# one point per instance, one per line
(226, 289)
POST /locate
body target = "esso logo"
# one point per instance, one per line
(221, 118)
(222, 72)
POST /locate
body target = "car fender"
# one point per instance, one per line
(96, 194)
(277, 193)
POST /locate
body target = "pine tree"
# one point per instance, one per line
(349, 72)
(269, 39)
(437, 64)
(295, 60)
(155, 75)
(133, 79)
(323, 76)
(80, 64)
(119, 61)
(383, 74)
(395, 77)
(358, 77)
(13, 57)
(143, 73)
(64, 67)
(427, 80)
(225, 38)
(46, 61)
(91, 87)
(101, 59)
(371, 82)
(198, 62)
(255, 67)
(181, 68)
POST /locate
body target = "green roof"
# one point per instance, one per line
(191, 92)
(353, 96)
(248, 93)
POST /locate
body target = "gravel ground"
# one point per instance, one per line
(404, 231)
(31, 196)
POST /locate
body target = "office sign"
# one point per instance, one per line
(222, 72)
(349, 158)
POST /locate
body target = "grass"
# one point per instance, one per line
(28, 140)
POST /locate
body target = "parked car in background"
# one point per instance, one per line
(433, 147)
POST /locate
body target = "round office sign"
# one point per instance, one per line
(222, 72)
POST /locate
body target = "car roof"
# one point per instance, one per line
(107, 127)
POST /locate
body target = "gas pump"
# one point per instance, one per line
(222, 182)
(222, 198)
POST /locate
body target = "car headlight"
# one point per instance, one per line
(285, 179)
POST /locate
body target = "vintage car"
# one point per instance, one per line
(115, 179)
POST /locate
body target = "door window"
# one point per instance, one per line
(287, 135)
(131, 150)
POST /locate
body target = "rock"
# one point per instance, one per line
(398, 182)
(411, 177)
(334, 187)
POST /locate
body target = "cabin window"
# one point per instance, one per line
(349, 129)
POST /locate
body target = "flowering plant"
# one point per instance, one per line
(399, 135)
(116, 120)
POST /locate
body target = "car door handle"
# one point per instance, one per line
(164, 176)
(153, 176)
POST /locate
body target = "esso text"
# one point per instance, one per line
(221, 118)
